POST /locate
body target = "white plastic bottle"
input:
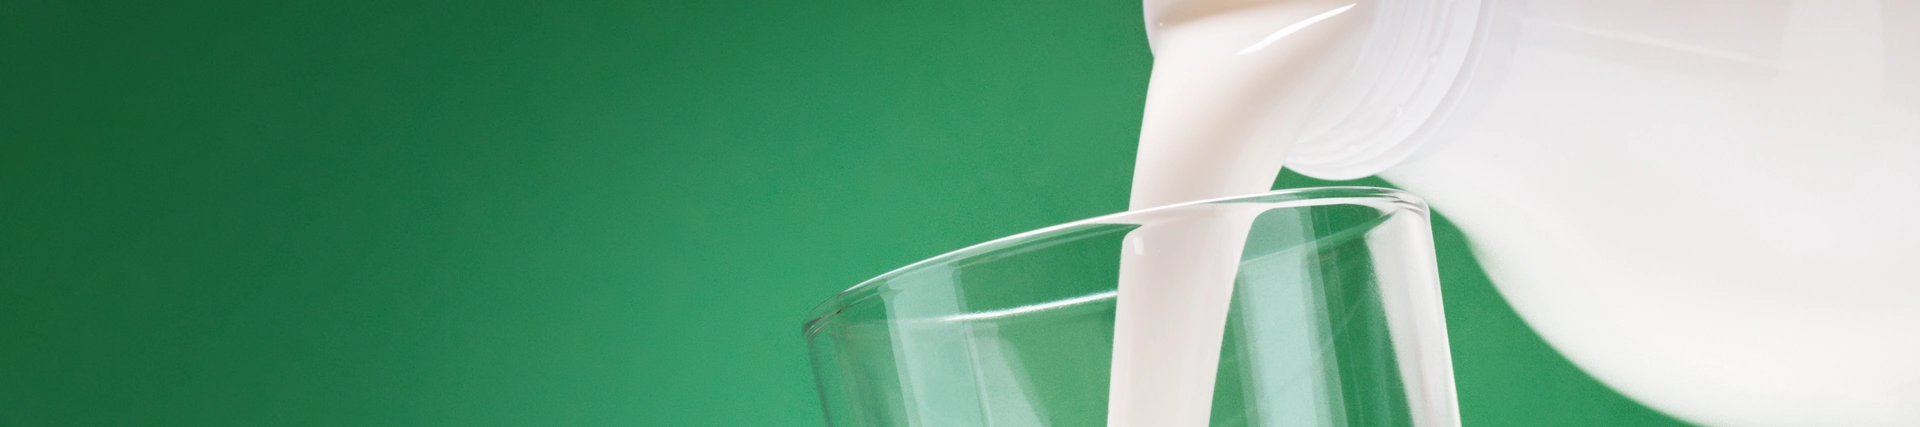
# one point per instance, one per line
(1710, 205)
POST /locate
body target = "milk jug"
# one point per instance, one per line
(1709, 205)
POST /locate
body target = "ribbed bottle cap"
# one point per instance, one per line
(1409, 73)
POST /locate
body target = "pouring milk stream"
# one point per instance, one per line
(1707, 204)
(1212, 129)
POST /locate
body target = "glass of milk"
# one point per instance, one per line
(1333, 318)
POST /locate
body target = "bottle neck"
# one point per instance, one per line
(1411, 72)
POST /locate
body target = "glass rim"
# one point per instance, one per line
(824, 311)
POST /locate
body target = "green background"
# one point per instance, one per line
(534, 213)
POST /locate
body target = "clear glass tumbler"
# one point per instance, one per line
(1334, 319)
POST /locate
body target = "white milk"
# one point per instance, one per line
(1214, 127)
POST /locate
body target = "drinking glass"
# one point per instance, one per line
(1334, 319)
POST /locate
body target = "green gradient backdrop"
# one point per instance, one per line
(528, 213)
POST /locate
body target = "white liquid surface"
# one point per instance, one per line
(1234, 83)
